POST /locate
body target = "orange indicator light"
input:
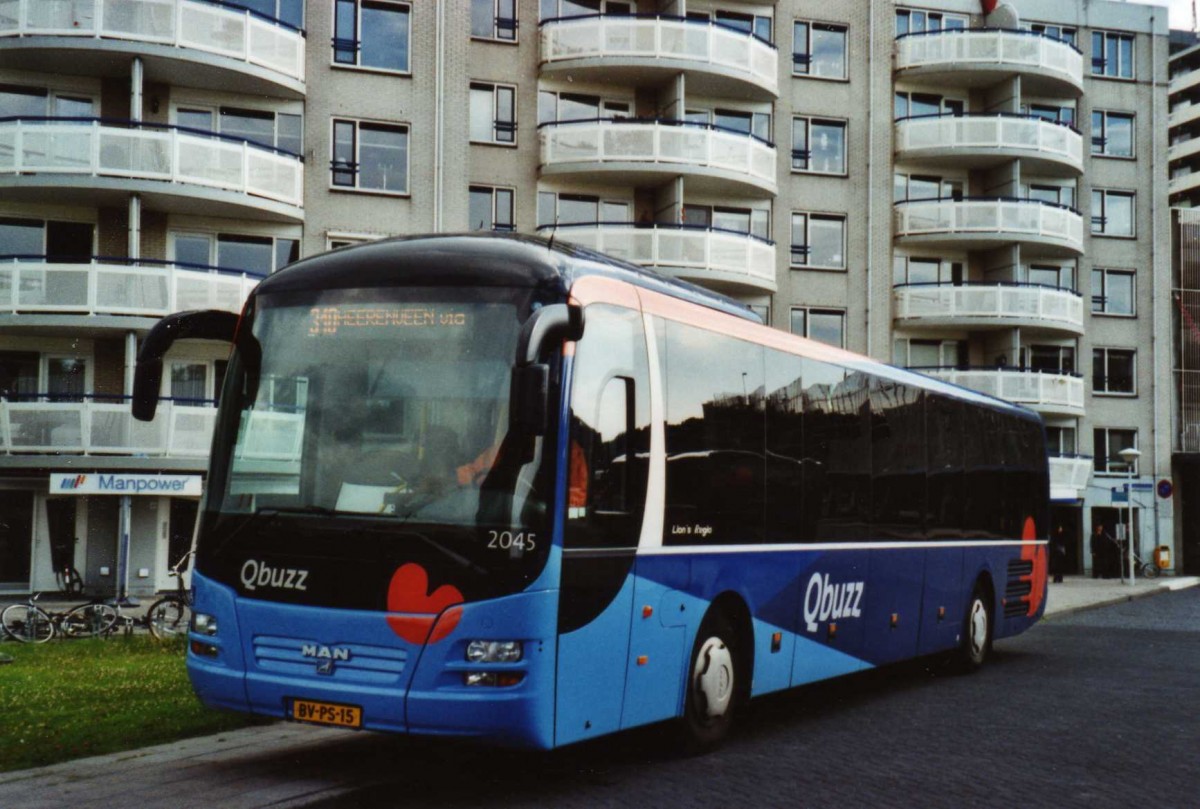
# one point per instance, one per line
(643, 660)
(647, 611)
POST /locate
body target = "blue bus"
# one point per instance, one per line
(502, 488)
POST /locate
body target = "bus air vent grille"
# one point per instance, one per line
(1018, 588)
(347, 662)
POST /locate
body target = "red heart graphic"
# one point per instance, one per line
(409, 593)
(1037, 577)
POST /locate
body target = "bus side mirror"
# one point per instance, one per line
(530, 389)
(196, 325)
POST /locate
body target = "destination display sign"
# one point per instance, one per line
(327, 321)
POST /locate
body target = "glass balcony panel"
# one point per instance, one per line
(978, 305)
(42, 289)
(132, 291)
(146, 20)
(191, 429)
(44, 427)
(209, 29)
(991, 49)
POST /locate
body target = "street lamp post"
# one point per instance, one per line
(1129, 455)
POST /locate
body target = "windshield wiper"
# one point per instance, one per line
(437, 546)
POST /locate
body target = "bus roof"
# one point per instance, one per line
(479, 259)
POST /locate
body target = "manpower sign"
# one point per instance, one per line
(120, 483)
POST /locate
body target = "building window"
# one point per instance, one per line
(491, 208)
(493, 111)
(494, 19)
(1054, 32)
(372, 34)
(1112, 54)
(1051, 112)
(1112, 212)
(580, 209)
(1059, 277)
(1060, 440)
(1107, 444)
(917, 270)
(1051, 359)
(818, 50)
(751, 221)
(1112, 292)
(283, 131)
(763, 310)
(818, 146)
(1113, 370)
(260, 255)
(756, 24)
(370, 157)
(920, 22)
(916, 105)
(822, 325)
(1112, 133)
(819, 241)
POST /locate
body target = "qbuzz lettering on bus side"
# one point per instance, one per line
(824, 601)
(256, 573)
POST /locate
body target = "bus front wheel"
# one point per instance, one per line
(714, 681)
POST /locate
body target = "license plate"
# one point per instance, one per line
(326, 713)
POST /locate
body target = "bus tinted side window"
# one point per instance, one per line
(848, 481)
(610, 431)
(714, 431)
(944, 506)
(898, 460)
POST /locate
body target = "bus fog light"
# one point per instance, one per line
(498, 679)
(494, 651)
(204, 624)
(203, 649)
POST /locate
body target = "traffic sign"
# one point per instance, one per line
(1165, 489)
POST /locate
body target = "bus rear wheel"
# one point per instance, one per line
(976, 641)
(714, 683)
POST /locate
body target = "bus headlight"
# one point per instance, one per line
(204, 624)
(494, 651)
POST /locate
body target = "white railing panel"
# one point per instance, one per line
(730, 254)
(1002, 217)
(990, 47)
(191, 430)
(224, 31)
(986, 132)
(614, 141)
(705, 46)
(150, 154)
(44, 426)
(105, 428)
(1022, 387)
(1069, 477)
(1046, 305)
(118, 290)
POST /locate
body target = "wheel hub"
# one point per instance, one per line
(978, 628)
(714, 676)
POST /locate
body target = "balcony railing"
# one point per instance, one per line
(1005, 218)
(1004, 49)
(693, 251)
(649, 38)
(997, 302)
(1042, 390)
(134, 150)
(117, 286)
(955, 136)
(1069, 476)
(211, 26)
(94, 424)
(663, 144)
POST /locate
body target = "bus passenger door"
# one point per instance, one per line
(606, 458)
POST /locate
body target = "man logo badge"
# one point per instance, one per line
(325, 656)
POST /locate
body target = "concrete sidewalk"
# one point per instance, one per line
(288, 765)
(1077, 593)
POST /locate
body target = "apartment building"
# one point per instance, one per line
(979, 195)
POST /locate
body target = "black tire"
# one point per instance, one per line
(168, 618)
(1150, 570)
(89, 621)
(27, 623)
(976, 642)
(69, 581)
(714, 684)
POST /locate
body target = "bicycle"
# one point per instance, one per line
(69, 581)
(29, 623)
(171, 614)
(1147, 570)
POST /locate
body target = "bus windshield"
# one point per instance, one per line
(381, 406)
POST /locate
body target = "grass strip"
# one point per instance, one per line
(69, 699)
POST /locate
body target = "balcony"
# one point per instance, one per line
(103, 425)
(980, 306)
(1069, 476)
(1180, 184)
(117, 286)
(1051, 394)
(636, 49)
(984, 223)
(632, 151)
(199, 44)
(982, 57)
(982, 141)
(718, 259)
(101, 161)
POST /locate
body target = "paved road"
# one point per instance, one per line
(1096, 709)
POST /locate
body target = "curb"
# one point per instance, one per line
(1166, 587)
